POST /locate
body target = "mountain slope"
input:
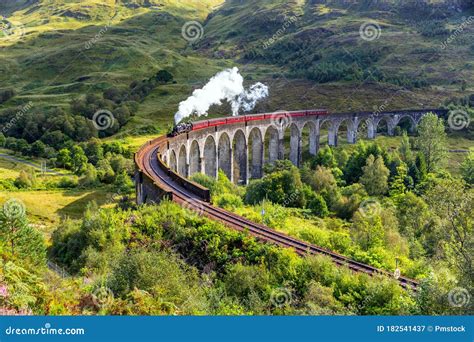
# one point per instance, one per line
(323, 42)
(310, 53)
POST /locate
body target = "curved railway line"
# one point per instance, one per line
(149, 163)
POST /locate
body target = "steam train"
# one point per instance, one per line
(185, 127)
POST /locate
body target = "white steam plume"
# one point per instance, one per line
(249, 98)
(225, 85)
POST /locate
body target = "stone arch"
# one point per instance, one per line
(194, 158)
(351, 135)
(173, 161)
(331, 135)
(309, 139)
(388, 121)
(402, 120)
(366, 128)
(239, 148)
(182, 162)
(224, 155)
(271, 144)
(210, 157)
(256, 155)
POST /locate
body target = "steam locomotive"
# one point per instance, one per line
(182, 127)
(185, 127)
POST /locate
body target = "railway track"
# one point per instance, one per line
(147, 160)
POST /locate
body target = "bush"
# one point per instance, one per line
(154, 272)
(282, 186)
(26, 179)
(228, 201)
(6, 94)
(317, 205)
(68, 182)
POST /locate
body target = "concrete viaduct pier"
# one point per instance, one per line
(240, 146)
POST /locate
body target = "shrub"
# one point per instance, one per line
(317, 205)
(68, 182)
(6, 94)
(228, 201)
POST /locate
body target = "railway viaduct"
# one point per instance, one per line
(241, 149)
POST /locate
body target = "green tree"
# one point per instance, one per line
(375, 176)
(24, 242)
(323, 182)
(467, 169)
(22, 146)
(26, 179)
(317, 204)
(164, 76)
(105, 172)
(64, 158)
(38, 149)
(120, 164)
(123, 183)
(453, 205)
(418, 170)
(353, 170)
(90, 176)
(325, 157)
(404, 150)
(401, 182)
(94, 151)
(367, 228)
(169, 280)
(282, 186)
(412, 214)
(350, 200)
(431, 141)
(78, 160)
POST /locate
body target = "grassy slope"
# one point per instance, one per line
(405, 50)
(46, 207)
(47, 64)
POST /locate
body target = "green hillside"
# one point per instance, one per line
(309, 52)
